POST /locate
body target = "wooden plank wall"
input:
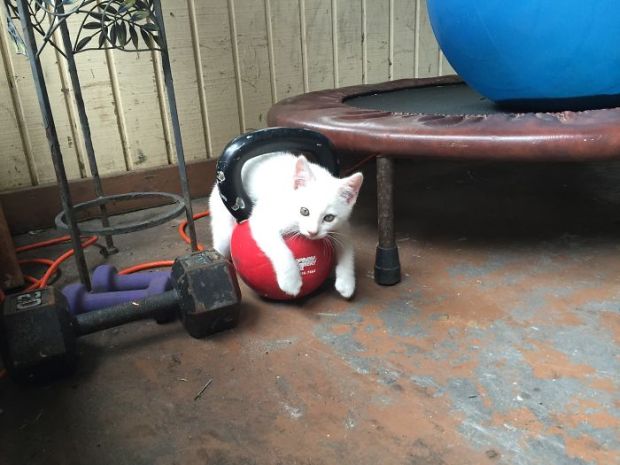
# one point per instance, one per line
(231, 60)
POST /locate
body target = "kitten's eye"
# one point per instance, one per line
(304, 211)
(329, 218)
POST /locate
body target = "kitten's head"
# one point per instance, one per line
(322, 202)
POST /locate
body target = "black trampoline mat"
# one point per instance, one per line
(460, 99)
(454, 99)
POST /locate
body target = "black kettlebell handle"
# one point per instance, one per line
(253, 144)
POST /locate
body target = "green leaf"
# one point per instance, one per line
(112, 37)
(129, 3)
(108, 8)
(92, 25)
(121, 33)
(140, 15)
(82, 43)
(134, 36)
(101, 16)
(150, 27)
(102, 37)
(147, 38)
(157, 40)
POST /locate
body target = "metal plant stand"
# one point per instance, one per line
(127, 25)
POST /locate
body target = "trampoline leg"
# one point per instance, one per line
(387, 264)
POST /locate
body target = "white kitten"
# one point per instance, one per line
(292, 195)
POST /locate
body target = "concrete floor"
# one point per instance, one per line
(500, 346)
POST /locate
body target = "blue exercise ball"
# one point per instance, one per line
(543, 54)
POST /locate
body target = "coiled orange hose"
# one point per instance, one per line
(37, 283)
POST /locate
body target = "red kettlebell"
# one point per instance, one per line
(315, 258)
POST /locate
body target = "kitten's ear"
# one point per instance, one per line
(350, 187)
(302, 172)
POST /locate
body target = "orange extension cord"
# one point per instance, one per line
(164, 263)
(54, 264)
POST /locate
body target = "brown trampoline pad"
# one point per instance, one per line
(448, 120)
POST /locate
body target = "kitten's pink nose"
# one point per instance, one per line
(312, 234)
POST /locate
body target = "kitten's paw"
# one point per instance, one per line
(290, 281)
(345, 286)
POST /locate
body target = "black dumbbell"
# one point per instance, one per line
(38, 333)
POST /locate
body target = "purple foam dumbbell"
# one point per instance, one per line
(82, 301)
(105, 278)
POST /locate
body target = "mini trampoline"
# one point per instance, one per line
(441, 118)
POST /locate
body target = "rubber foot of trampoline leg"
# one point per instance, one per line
(387, 266)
